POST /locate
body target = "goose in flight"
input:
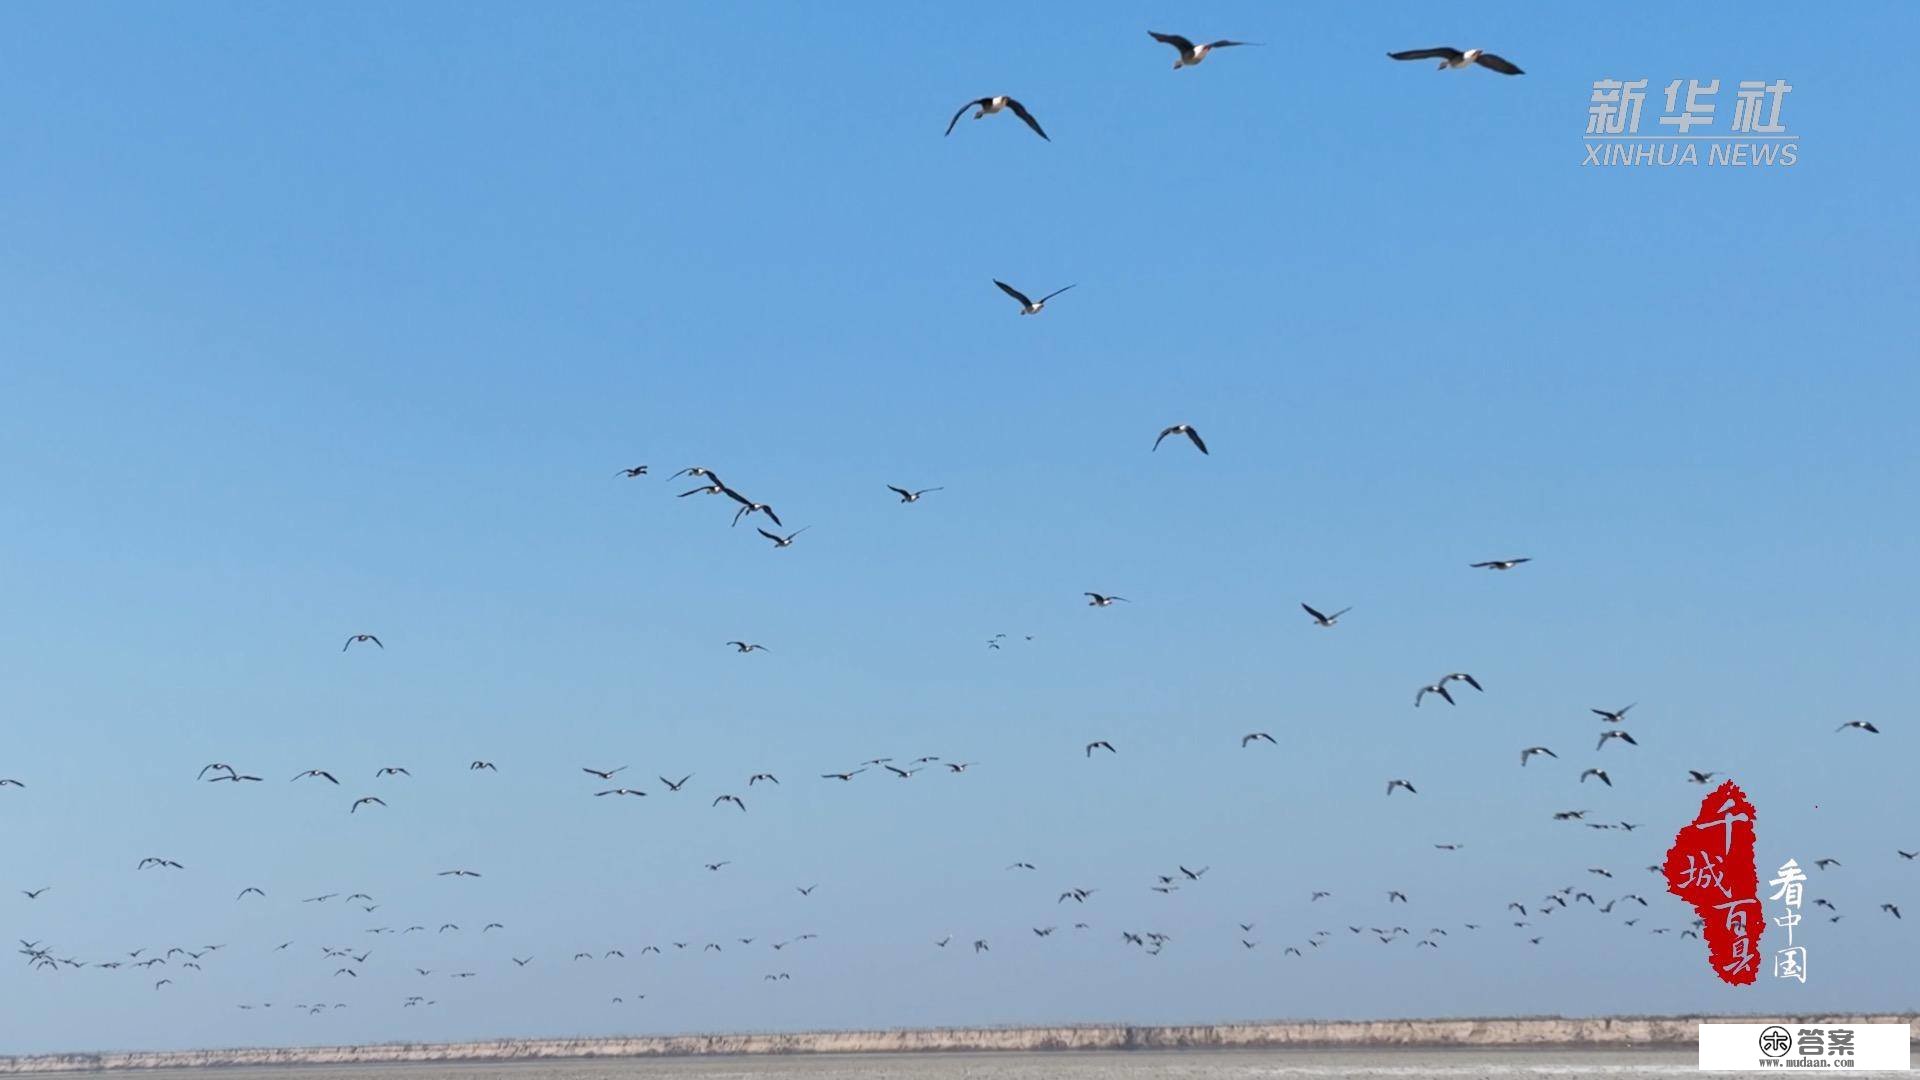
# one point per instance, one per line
(1324, 620)
(34, 894)
(748, 506)
(517, 962)
(805, 891)
(1601, 773)
(783, 541)
(321, 773)
(361, 638)
(958, 766)
(165, 864)
(220, 766)
(1446, 847)
(604, 774)
(1498, 564)
(714, 866)
(1621, 735)
(1191, 54)
(234, 777)
(1028, 307)
(456, 873)
(980, 945)
(1095, 599)
(990, 105)
(1569, 815)
(620, 791)
(744, 647)
(911, 496)
(671, 786)
(1100, 744)
(1437, 688)
(1461, 676)
(1532, 750)
(1391, 784)
(1824, 863)
(1695, 776)
(477, 766)
(734, 799)
(1396, 896)
(842, 775)
(1451, 57)
(1251, 736)
(1891, 910)
(1022, 866)
(364, 800)
(1612, 717)
(759, 776)
(1195, 875)
(1183, 429)
(1861, 724)
(904, 774)
(392, 770)
(636, 471)
(699, 473)
(709, 489)
(1907, 855)
(1318, 894)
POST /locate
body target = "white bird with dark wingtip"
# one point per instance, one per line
(1859, 724)
(1191, 54)
(990, 105)
(1182, 429)
(1028, 307)
(1095, 599)
(1532, 750)
(1324, 620)
(1621, 735)
(1457, 59)
(911, 496)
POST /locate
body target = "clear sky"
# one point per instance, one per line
(327, 320)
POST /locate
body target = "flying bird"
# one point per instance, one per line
(744, 647)
(1861, 724)
(734, 799)
(1028, 307)
(671, 786)
(1611, 717)
(1325, 620)
(841, 775)
(363, 800)
(604, 774)
(1100, 744)
(1182, 429)
(1095, 599)
(637, 470)
(748, 506)
(321, 773)
(911, 496)
(480, 765)
(1601, 773)
(990, 105)
(1251, 736)
(1191, 54)
(1437, 688)
(783, 541)
(1698, 777)
(1391, 784)
(1450, 57)
(361, 638)
(1621, 735)
(1532, 750)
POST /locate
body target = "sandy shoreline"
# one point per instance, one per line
(1620, 1032)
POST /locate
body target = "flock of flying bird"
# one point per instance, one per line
(166, 965)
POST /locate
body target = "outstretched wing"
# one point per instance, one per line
(1316, 615)
(963, 112)
(1175, 40)
(1055, 293)
(903, 492)
(768, 535)
(1496, 63)
(1223, 43)
(1020, 111)
(1164, 434)
(1195, 436)
(1013, 292)
(1444, 52)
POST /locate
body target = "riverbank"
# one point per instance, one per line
(1619, 1032)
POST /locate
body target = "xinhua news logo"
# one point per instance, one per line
(1688, 132)
(1797, 1045)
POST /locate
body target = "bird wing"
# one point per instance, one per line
(1316, 615)
(1443, 693)
(1444, 52)
(1020, 111)
(1056, 292)
(903, 492)
(1195, 436)
(1013, 292)
(1224, 43)
(735, 496)
(1164, 434)
(963, 112)
(1504, 67)
(923, 491)
(1175, 40)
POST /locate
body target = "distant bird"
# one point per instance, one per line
(1699, 777)
(204, 770)
(392, 770)
(1532, 750)
(671, 786)
(959, 766)
(1021, 866)
(1825, 863)
(1569, 815)
(1596, 870)
(1461, 676)
(1907, 855)
(1195, 875)
(1611, 717)
(1318, 894)
(1450, 57)
(710, 489)
(480, 765)
(620, 791)
(521, 963)
(164, 864)
(364, 800)
(806, 890)
(716, 866)
(34, 894)
(783, 541)
(759, 776)
(1621, 735)
(456, 873)
(1324, 620)
(361, 638)
(990, 105)
(1891, 910)
(744, 647)
(1861, 724)
(748, 506)
(1255, 735)
(1100, 744)
(1396, 896)
(9, 781)
(235, 778)
(1437, 688)
(911, 496)
(637, 470)
(1095, 599)
(1028, 307)
(1182, 429)
(1447, 847)
(980, 945)
(734, 799)
(904, 774)
(1391, 784)
(696, 471)
(1601, 773)
(604, 774)
(1191, 54)
(841, 775)
(321, 773)
(493, 926)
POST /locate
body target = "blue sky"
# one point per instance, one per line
(316, 322)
